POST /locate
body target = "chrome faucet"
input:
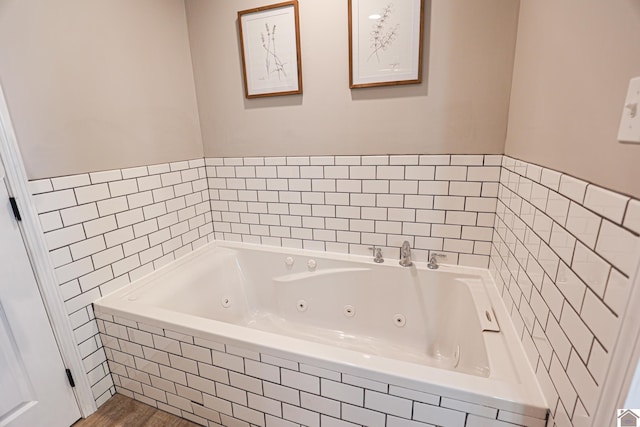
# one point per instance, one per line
(433, 260)
(405, 255)
(377, 255)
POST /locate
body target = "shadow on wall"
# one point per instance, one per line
(635, 4)
(404, 91)
(271, 101)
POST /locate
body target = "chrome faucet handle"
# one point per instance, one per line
(433, 260)
(377, 254)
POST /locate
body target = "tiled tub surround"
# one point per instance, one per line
(226, 383)
(563, 253)
(441, 203)
(106, 229)
(308, 202)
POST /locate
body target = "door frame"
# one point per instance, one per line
(624, 359)
(41, 263)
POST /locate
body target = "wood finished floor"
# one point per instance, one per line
(121, 411)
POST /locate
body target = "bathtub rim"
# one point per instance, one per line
(523, 398)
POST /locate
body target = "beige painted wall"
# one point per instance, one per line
(461, 108)
(95, 85)
(574, 59)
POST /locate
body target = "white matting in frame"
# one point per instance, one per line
(270, 45)
(385, 42)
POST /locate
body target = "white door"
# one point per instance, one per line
(34, 390)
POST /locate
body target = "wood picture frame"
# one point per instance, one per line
(270, 49)
(385, 42)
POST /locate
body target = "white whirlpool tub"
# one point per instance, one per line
(238, 334)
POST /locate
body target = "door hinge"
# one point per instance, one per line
(14, 207)
(72, 383)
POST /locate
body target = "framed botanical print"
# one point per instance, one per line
(270, 46)
(385, 42)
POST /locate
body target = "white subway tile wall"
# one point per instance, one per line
(347, 204)
(106, 229)
(562, 255)
(214, 383)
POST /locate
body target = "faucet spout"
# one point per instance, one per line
(405, 255)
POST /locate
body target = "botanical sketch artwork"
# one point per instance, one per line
(385, 39)
(274, 66)
(382, 34)
(269, 54)
(270, 50)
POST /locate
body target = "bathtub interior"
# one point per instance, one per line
(198, 287)
(408, 314)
